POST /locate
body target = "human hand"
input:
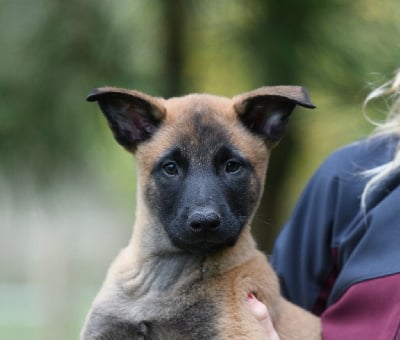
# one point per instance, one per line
(260, 311)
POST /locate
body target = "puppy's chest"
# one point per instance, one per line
(177, 304)
(180, 319)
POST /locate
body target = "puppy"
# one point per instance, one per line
(191, 261)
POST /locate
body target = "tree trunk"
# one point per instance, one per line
(174, 17)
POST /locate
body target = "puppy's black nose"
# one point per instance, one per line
(204, 219)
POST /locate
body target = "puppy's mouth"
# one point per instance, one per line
(204, 241)
(204, 230)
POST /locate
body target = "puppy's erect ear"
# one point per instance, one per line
(132, 116)
(265, 111)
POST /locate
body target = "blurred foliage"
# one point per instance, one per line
(53, 52)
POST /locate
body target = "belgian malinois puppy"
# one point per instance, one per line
(192, 261)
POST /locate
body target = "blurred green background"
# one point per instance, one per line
(67, 190)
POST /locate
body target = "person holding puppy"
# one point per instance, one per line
(339, 254)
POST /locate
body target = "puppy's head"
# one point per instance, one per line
(201, 158)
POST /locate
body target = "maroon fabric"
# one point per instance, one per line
(367, 310)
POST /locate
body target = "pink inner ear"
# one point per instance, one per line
(267, 116)
(148, 127)
(274, 126)
(136, 123)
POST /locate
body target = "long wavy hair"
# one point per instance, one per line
(390, 92)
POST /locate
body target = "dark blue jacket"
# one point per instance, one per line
(339, 261)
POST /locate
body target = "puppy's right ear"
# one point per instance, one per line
(266, 110)
(132, 116)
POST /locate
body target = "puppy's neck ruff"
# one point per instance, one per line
(156, 257)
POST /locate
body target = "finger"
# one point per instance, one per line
(260, 311)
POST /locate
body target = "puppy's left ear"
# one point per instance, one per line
(266, 111)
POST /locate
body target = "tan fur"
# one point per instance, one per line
(228, 276)
(256, 276)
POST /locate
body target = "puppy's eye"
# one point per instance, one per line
(170, 168)
(232, 166)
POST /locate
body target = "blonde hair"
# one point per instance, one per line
(390, 91)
